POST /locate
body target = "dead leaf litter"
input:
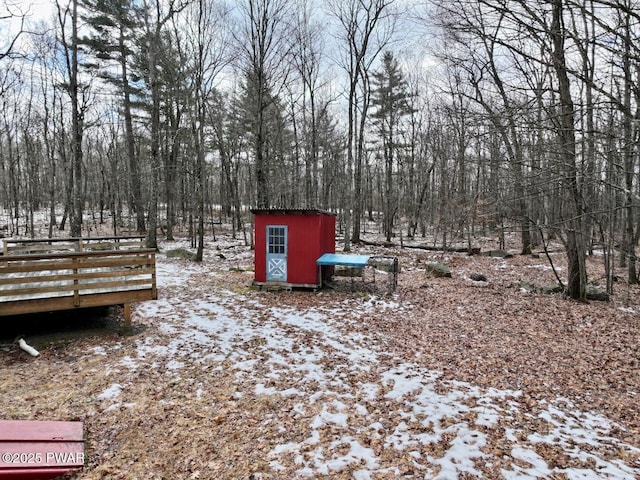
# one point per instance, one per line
(446, 378)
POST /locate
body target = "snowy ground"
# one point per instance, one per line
(357, 407)
(248, 384)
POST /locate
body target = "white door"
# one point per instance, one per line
(277, 253)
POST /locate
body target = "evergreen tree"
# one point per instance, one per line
(390, 97)
(115, 28)
(266, 127)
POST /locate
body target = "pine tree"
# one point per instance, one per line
(391, 100)
(115, 28)
(265, 125)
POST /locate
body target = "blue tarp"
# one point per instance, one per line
(344, 260)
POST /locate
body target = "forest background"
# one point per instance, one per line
(444, 119)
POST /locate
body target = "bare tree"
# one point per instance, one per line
(477, 33)
(307, 50)
(526, 35)
(12, 19)
(609, 36)
(209, 53)
(576, 251)
(51, 103)
(366, 28)
(68, 17)
(630, 107)
(156, 17)
(264, 46)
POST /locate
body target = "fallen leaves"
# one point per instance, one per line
(232, 383)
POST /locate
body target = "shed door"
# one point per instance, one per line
(277, 253)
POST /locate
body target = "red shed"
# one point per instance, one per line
(289, 242)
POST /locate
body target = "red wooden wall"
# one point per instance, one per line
(311, 233)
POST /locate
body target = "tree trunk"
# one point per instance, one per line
(77, 129)
(575, 248)
(629, 152)
(134, 167)
(152, 221)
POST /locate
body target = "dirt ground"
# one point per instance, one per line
(445, 378)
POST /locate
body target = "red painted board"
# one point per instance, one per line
(26, 430)
(40, 450)
(33, 474)
(41, 454)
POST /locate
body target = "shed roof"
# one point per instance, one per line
(288, 211)
(343, 260)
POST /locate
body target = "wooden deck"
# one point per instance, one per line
(94, 273)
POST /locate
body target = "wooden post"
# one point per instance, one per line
(76, 282)
(127, 315)
(152, 263)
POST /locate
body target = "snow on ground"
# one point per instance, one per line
(357, 405)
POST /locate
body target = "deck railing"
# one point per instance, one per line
(20, 246)
(65, 280)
